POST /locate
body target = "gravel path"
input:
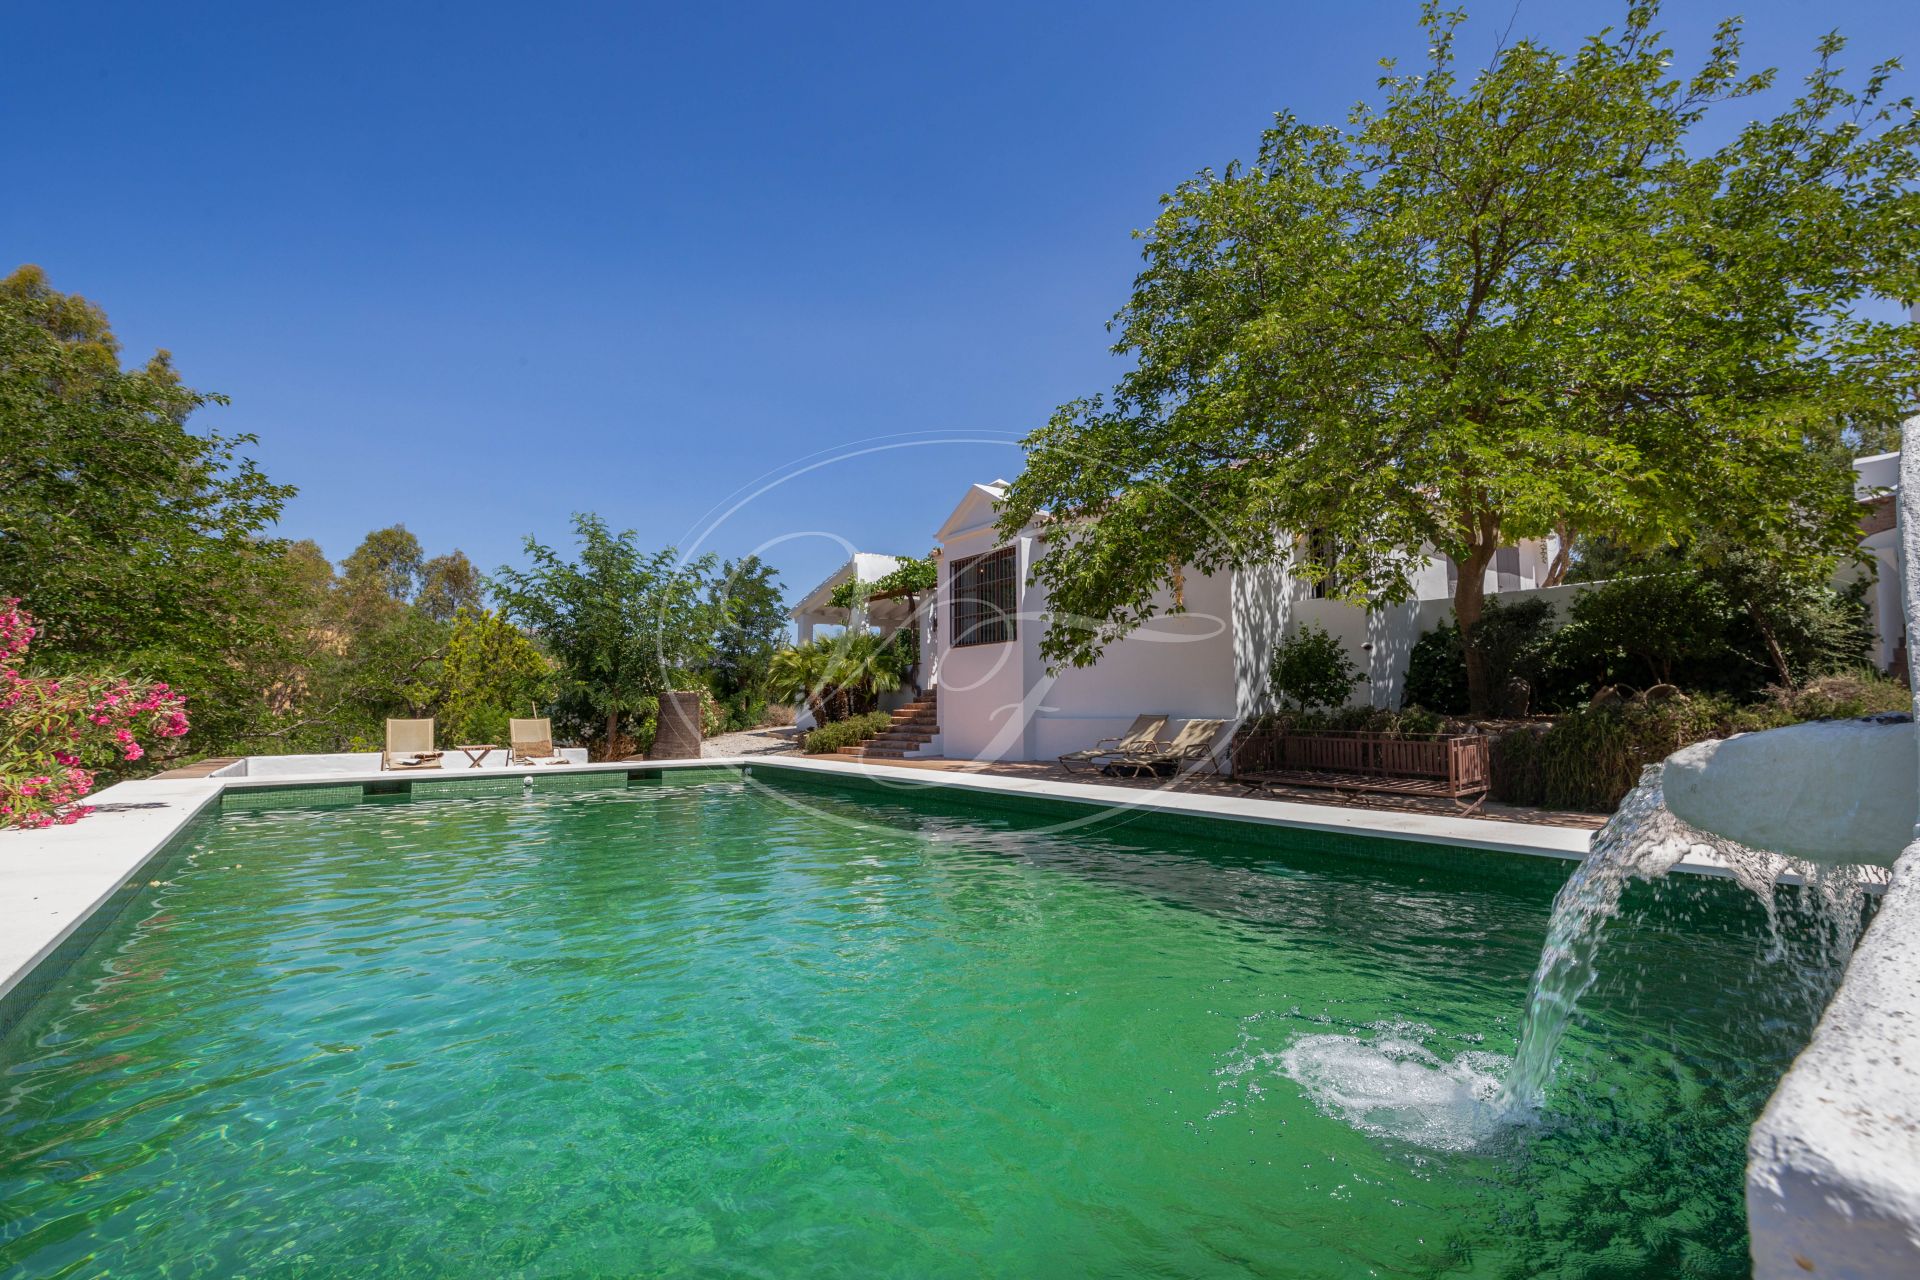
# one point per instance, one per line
(752, 742)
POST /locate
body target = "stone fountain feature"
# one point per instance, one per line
(1833, 1166)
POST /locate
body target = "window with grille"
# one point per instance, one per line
(986, 591)
(1322, 549)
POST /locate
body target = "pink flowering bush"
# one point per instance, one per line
(55, 732)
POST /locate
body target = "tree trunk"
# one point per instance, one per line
(1778, 658)
(1557, 571)
(613, 731)
(1469, 602)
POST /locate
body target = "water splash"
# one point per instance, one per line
(1398, 1088)
(1393, 1086)
(1644, 841)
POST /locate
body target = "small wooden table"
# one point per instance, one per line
(476, 752)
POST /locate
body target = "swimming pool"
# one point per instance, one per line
(728, 1027)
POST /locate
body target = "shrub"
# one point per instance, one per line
(1726, 626)
(744, 710)
(1841, 696)
(1669, 627)
(1516, 639)
(1589, 759)
(56, 733)
(1380, 720)
(1311, 669)
(845, 733)
(1437, 671)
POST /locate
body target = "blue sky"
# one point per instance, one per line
(476, 267)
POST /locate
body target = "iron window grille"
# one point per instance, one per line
(986, 589)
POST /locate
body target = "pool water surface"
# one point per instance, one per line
(727, 1029)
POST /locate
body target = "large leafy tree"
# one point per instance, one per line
(491, 673)
(751, 623)
(1486, 309)
(139, 542)
(626, 625)
(449, 584)
(380, 578)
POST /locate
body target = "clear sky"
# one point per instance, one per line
(477, 266)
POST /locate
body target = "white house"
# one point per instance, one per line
(998, 701)
(816, 608)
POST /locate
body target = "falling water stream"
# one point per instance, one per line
(1388, 1085)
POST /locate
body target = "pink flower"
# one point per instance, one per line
(134, 751)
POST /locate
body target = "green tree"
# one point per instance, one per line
(624, 625)
(1487, 309)
(392, 668)
(449, 584)
(491, 673)
(752, 623)
(380, 578)
(140, 544)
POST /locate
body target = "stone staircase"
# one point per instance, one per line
(913, 727)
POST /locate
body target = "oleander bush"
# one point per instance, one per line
(58, 733)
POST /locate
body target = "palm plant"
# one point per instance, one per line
(840, 676)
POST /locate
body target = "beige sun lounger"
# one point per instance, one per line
(410, 746)
(1193, 746)
(1145, 729)
(532, 742)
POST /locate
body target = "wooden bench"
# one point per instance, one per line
(1446, 766)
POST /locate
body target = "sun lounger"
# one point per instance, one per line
(1141, 735)
(1191, 750)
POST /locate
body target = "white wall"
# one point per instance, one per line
(999, 701)
(983, 688)
(1179, 664)
(1381, 642)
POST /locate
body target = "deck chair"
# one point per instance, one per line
(531, 742)
(1141, 735)
(1192, 746)
(410, 746)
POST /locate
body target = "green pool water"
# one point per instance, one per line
(730, 1030)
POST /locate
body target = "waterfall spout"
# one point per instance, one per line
(1833, 792)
